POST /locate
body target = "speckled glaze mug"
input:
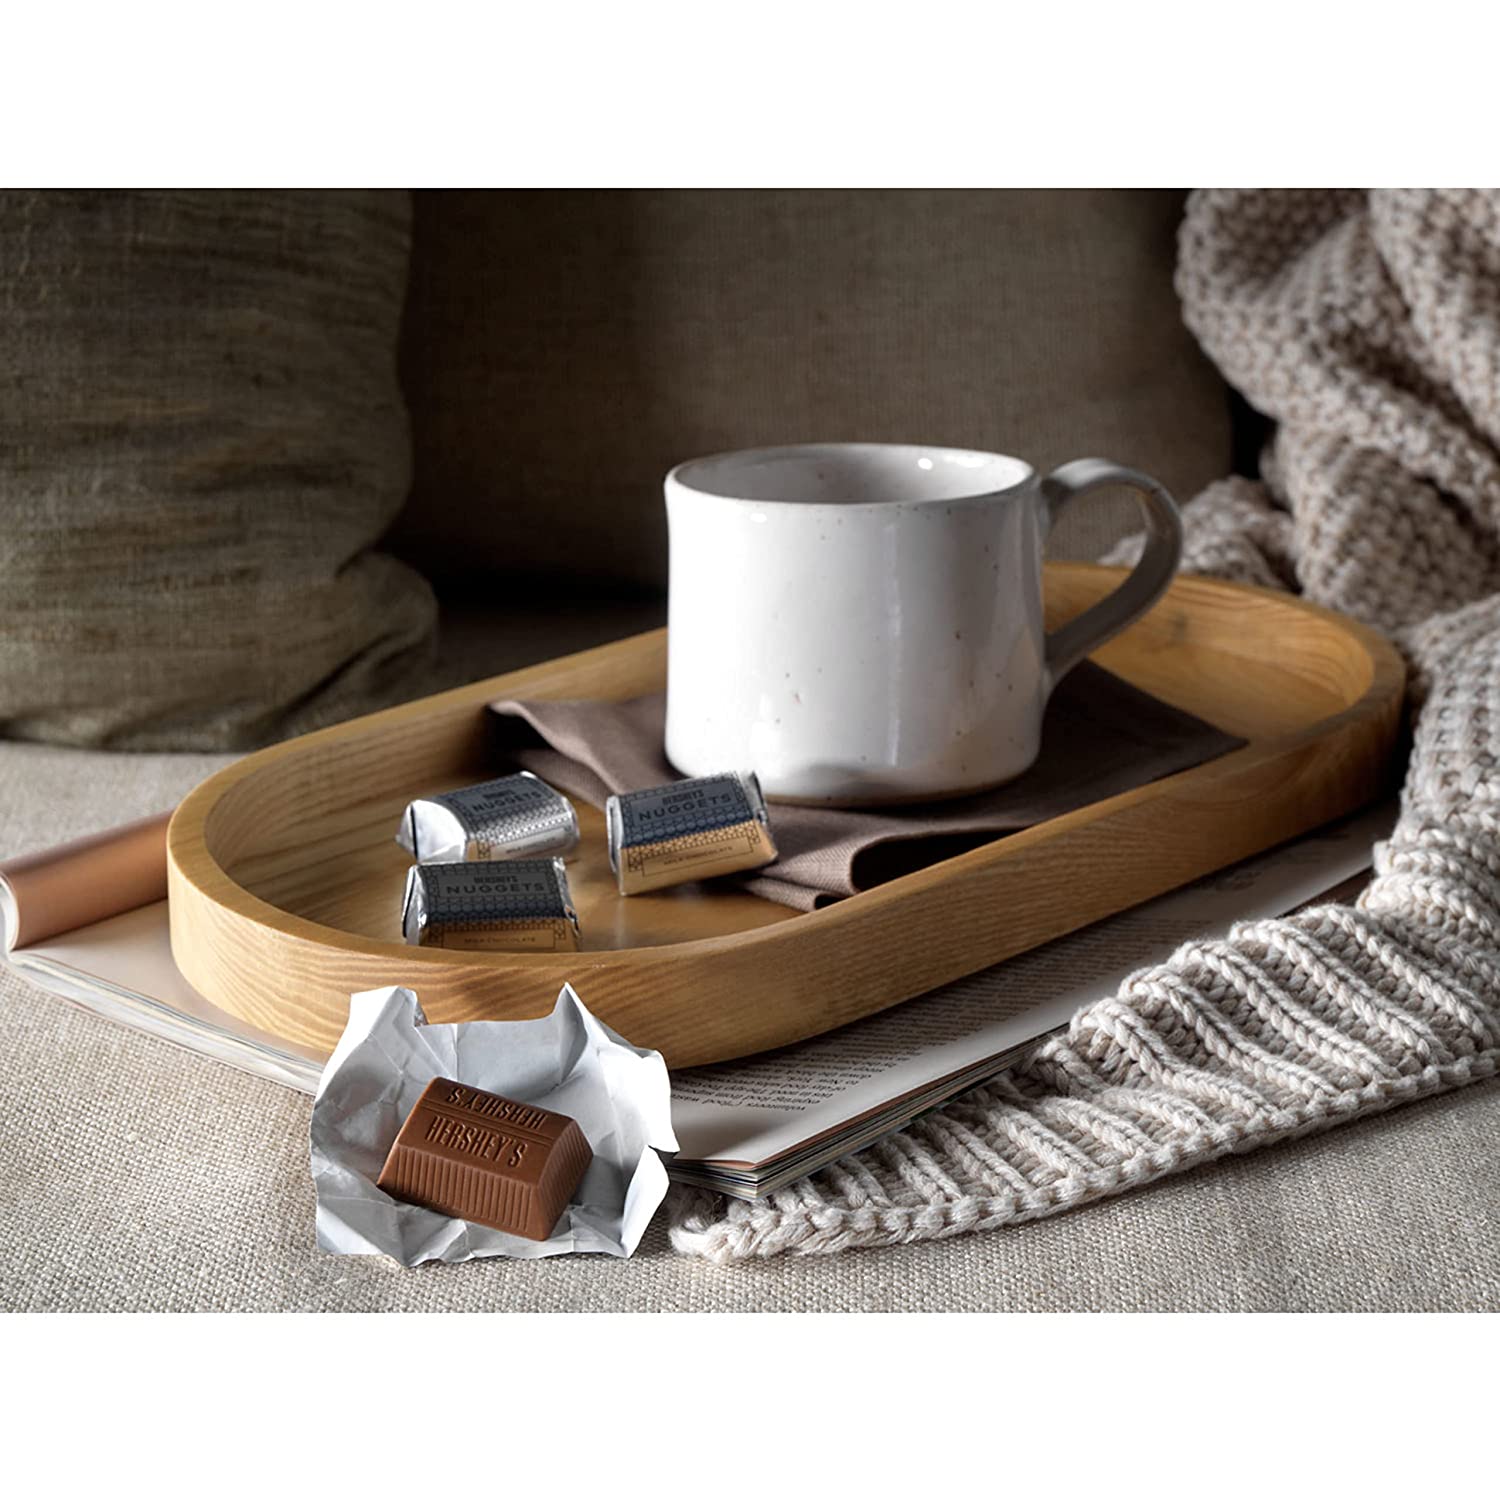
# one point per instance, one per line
(861, 623)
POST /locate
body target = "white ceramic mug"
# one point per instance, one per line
(862, 622)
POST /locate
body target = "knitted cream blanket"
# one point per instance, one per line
(1368, 326)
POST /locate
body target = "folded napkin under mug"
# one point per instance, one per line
(1100, 737)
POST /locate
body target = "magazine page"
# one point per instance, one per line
(748, 1113)
(88, 921)
(775, 1108)
(123, 968)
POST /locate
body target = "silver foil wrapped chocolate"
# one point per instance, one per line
(520, 905)
(688, 830)
(512, 817)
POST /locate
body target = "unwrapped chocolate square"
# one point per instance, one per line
(512, 817)
(479, 1156)
(688, 830)
(521, 905)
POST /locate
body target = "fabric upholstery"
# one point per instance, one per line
(204, 1201)
(201, 440)
(1369, 326)
(562, 350)
(211, 1207)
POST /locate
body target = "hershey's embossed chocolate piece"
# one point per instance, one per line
(479, 1156)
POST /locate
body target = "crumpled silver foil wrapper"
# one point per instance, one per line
(569, 1061)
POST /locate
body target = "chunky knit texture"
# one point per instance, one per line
(1368, 326)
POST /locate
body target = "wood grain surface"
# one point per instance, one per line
(285, 880)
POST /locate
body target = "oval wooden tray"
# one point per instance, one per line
(285, 881)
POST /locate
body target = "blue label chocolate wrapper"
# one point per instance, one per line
(521, 905)
(511, 817)
(688, 830)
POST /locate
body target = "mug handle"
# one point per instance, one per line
(1068, 645)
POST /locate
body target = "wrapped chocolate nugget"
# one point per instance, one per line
(688, 830)
(512, 817)
(521, 905)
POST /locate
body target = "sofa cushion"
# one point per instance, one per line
(211, 1206)
(563, 349)
(201, 439)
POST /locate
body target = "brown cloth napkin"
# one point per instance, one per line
(1100, 737)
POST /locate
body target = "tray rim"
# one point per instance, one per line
(192, 865)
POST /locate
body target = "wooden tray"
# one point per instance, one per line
(285, 882)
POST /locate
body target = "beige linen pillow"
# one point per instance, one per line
(563, 349)
(201, 439)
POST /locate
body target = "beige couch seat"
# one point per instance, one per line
(559, 351)
(197, 1195)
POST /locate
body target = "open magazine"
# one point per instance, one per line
(88, 921)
